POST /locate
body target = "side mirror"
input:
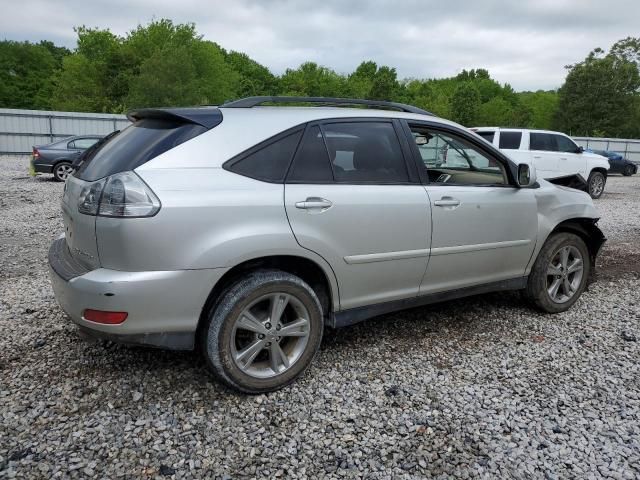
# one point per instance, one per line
(526, 175)
(580, 149)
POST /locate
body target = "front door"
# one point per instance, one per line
(484, 228)
(350, 199)
(570, 161)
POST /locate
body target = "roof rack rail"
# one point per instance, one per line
(249, 102)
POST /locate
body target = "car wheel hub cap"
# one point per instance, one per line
(270, 335)
(564, 274)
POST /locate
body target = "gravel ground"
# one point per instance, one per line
(482, 388)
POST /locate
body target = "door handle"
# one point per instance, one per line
(312, 203)
(447, 202)
(563, 158)
(537, 156)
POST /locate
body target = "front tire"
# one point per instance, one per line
(596, 183)
(62, 170)
(264, 332)
(560, 273)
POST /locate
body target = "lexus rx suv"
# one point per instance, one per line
(244, 230)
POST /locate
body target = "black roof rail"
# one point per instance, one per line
(249, 102)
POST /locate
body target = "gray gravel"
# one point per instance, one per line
(482, 388)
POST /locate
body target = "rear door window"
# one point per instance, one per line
(84, 143)
(510, 140)
(365, 152)
(542, 141)
(311, 163)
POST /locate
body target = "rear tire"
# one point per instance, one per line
(62, 170)
(628, 171)
(596, 184)
(556, 282)
(264, 332)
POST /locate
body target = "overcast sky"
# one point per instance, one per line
(525, 43)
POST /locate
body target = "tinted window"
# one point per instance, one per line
(488, 136)
(542, 141)
(365, 152)
(312, 162)
(452, 160)
(135, 145)
(563, 144)
(269, 163)
(510, 140)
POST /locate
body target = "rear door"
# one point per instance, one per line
(352, 198)
(542, 146)
(483, 227)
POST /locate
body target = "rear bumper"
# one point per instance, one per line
(41, 167)
(163, 307)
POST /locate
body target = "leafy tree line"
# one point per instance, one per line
(167, 64)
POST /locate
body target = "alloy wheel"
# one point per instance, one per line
(597, 185)
(64, 170)
(564, 274)
(270, 335)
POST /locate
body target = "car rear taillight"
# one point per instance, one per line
(35, 152)
(121, 195)
(101, 316)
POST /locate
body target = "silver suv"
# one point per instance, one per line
(246, 229)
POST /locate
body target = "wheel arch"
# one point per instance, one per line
(585, 228)
(321, 281)
(601, 170)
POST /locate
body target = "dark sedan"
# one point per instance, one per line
(618, 164)
(58, 157)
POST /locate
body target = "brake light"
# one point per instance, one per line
(121, 195)
(36, 153)
(108, 318)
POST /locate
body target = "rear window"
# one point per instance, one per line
(510, 140)
(135, 145)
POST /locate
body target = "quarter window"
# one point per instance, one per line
(269, 163)
(488, 136)
(510, 140)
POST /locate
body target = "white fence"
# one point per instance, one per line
(20, 130)
(630, 149)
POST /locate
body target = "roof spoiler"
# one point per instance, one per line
(208, 117)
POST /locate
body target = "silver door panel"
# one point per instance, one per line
(376, 237)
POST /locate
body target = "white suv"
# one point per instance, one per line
(553, 154)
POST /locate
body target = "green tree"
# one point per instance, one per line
(600, 94)
(253, 78)
(542, 105)
(26, 72)
(465, 104)
(312, 80)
